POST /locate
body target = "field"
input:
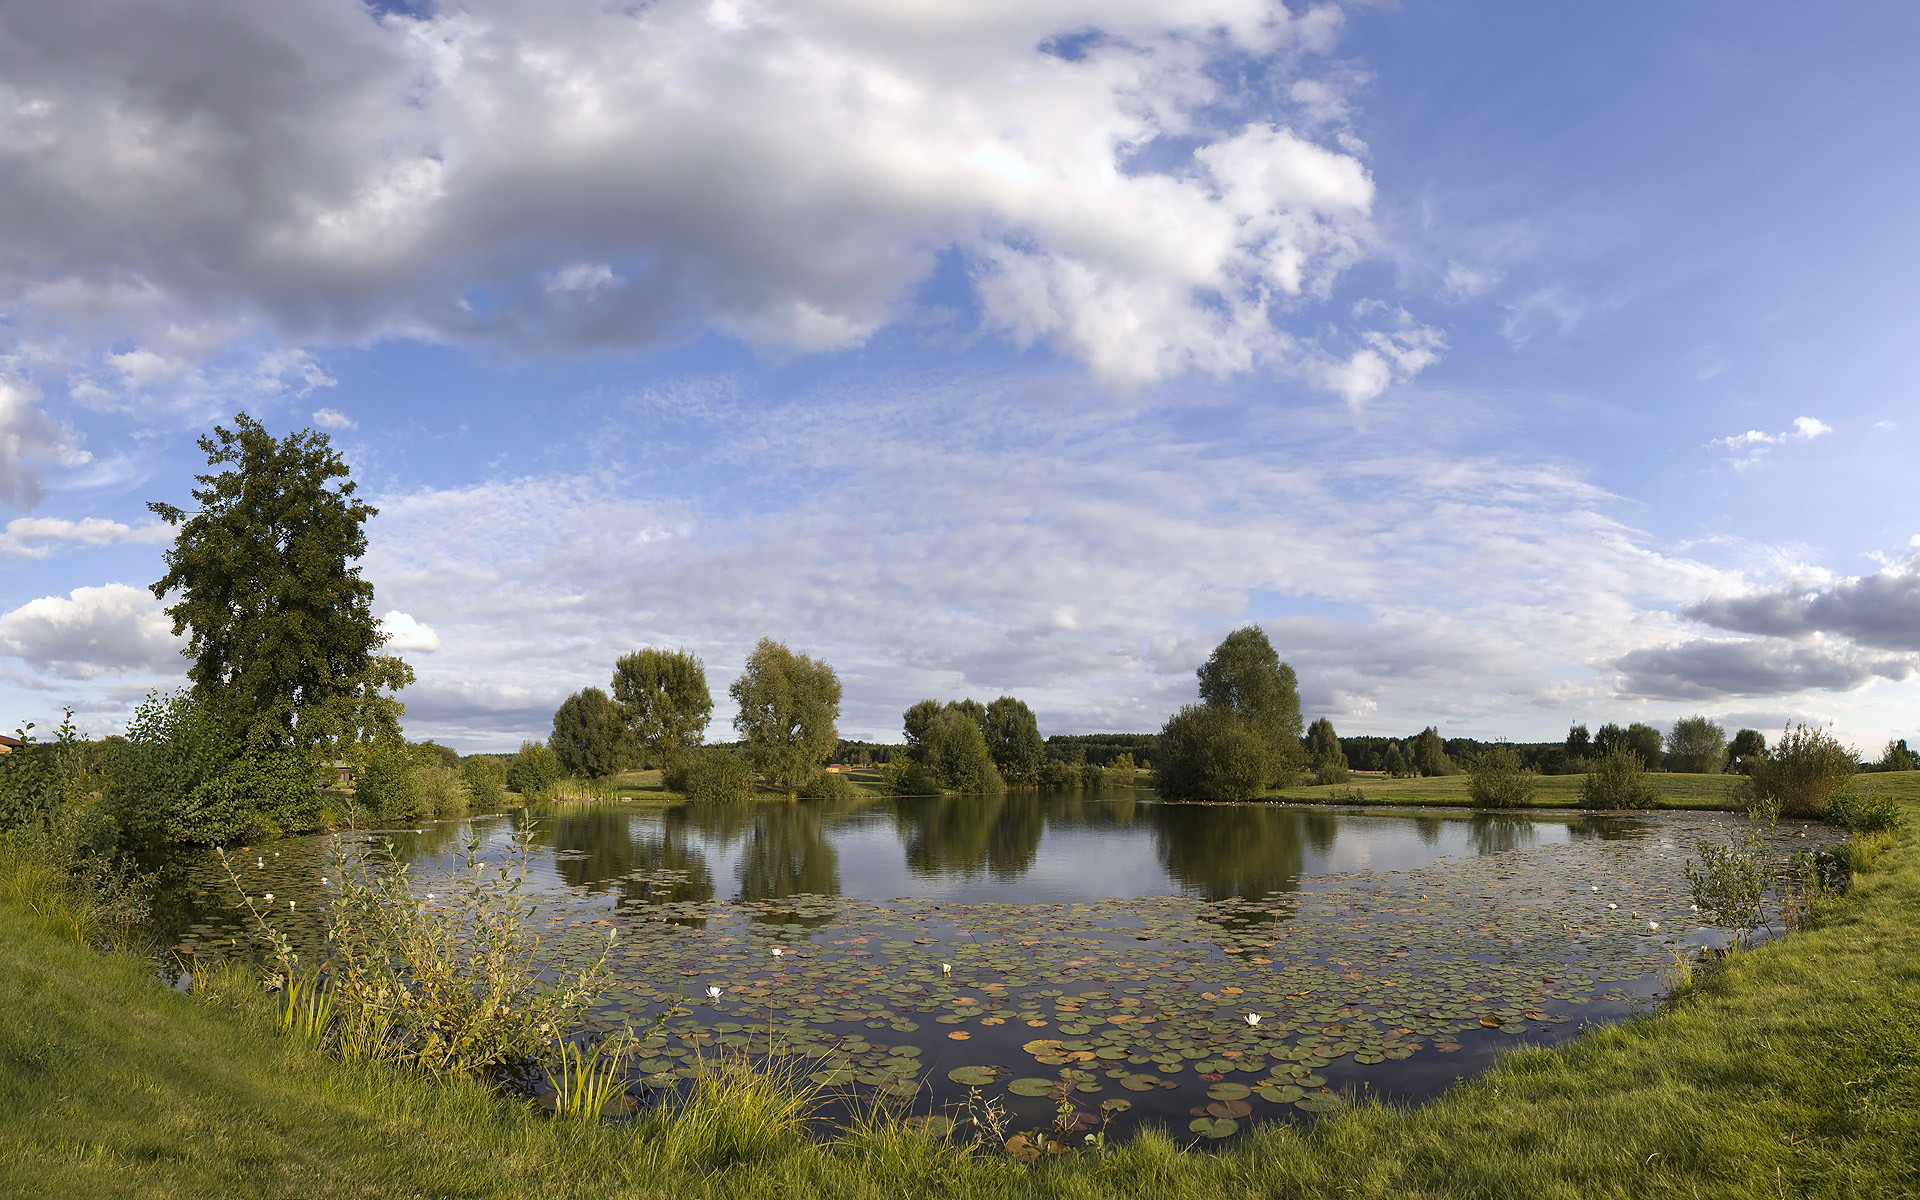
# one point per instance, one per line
(1792, 1070)
(1552, 791)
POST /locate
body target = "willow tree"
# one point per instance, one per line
(788, 706)
(664, 699)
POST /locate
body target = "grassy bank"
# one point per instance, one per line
(1795, 1070)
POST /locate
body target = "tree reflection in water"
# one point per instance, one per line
(1219, 851)
(787, 851)
(964, 836)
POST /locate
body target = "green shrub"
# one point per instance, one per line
(1205, 752)
(712, 776)
(906, 777)
(1864, 814)
(1618, 780)
(450, 985)
(533, 771)
(1801, 773)
(828, 785)
(441, 785)
(384, 782)
(1497, 780)
(1729, 883)
(1332, 773)
(486, 780)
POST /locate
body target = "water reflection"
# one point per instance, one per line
(1014, 848)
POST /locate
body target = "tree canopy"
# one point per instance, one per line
(1013, 738)
(1697, 746)
(280, 624)
(949, 742)
(788, 705)
(1749, 746)
(589, 736)
(1244, 676)
(1208, 753)
(664, 701)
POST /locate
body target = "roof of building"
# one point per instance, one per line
(10, 742)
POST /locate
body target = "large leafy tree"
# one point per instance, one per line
(1013, 738)
(1208, 753)
(1244, 676)
(788, 705)
(664, 700)
(589, 736)
(280, 623)
(1697, 746)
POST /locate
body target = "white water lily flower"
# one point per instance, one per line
(1652, 925)
(1594, 888)
(1253, 1018)
(1694, 907)
(776, 952)
(946, 969)
(713, 991)
(1610, 904)
(269, 895)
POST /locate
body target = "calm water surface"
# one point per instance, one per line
(1113, 946)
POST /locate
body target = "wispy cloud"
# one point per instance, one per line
(1752, 447)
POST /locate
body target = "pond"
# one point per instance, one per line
(1106, 950)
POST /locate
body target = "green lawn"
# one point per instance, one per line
(1552, 791)
(1793, 1071)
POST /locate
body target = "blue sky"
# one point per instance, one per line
(1511, 365)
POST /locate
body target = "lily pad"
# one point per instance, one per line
(1229, 1091)
(1031, 1086)
(973, 1076)
(1214, 1127)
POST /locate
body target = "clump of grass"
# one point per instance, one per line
(736, 1110)
(586, 1083)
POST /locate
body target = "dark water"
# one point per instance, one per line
(1118, 940)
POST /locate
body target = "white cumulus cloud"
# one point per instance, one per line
(405, 633)
(333, 418)
(573, 174)
(1752, 447)
(93, 631)
(39, 537)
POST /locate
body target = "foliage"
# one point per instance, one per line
(1013, 739)
(1748, 747)
(1643, 740)
(828, 785)
(1396, 764)
(446, 983)
(384, 781)
(280, 623)
(1579, 741)
(664, 701)
(586, 1083)
(1207, 752)
(1618, 780)
(29, 781)
(1497, 780)
(589, 735)
(949, 743)
(1244, 676)
(1896, 757)
(186, 775)
(1864, 814)
(788, 705)
(1427, 755)
(1730, 882)
(1697, 747)
(1324, 755)
(1803, 771)
(485, 780)
(534, 771)
(906, 776)
(712, 776)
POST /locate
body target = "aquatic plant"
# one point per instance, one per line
(585, 1083)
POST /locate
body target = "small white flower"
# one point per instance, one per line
(269, 895)
(1612, 905)
(1594, 888)
(1652, 925)
(713, 991)
(323, 879)
(1253, 1018)
(429, 895)
(946, 969)
(776, 952)
(290, 904)
(1694, 907)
